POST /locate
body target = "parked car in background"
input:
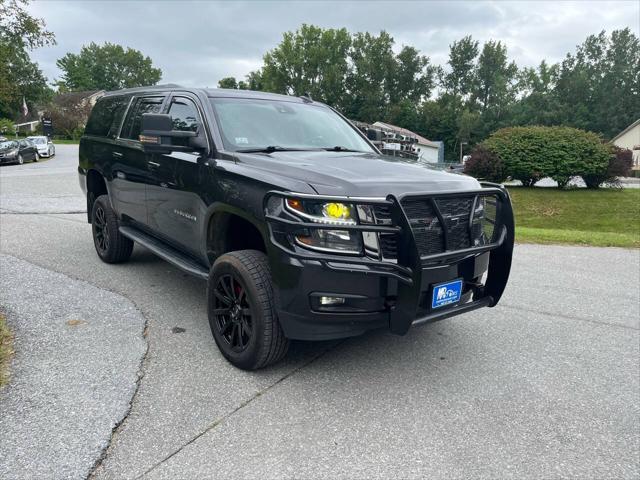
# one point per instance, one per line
(18, 151)
(45, 146)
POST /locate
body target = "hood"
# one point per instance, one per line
(359, 174)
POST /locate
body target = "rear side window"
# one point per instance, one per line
(131, 127)
(106, 116)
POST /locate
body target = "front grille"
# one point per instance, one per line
(465, 225)
(388, 241)
(425, 224)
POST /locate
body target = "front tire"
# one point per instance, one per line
(111, 245)
(20, 160)
(241, 310)
(37, 157)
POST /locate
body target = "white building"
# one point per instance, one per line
(630, 138)
(427, 150)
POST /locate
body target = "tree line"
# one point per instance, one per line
(95, 67)
(479, 90)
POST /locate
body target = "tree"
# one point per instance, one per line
(494, 79)
(459, 80)
(310, 61)
(19, 77)
(598, 88)
(537, 105)
(228, 82)
(106, 67)
(69, 115)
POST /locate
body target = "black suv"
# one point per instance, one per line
(301, 228)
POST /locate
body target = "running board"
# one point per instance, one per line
(164, 251)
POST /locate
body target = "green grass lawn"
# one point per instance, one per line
(606, 217)
(5, 350)
(65, 142)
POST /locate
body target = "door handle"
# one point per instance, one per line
(117, 154)
(153, 164)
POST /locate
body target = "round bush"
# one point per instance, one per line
(531, 153)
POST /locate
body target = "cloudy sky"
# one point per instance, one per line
(197, 43)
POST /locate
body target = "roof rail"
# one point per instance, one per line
(150, 87)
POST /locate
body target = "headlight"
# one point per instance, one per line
(332, 214)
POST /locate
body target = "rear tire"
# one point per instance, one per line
(241, 310)
(111, 245)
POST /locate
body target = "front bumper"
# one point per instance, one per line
(390, 294)
(7, 159)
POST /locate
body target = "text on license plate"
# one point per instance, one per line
(446, 293)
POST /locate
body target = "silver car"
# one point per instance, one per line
(45, 146)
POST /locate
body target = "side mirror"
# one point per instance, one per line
(157, 135)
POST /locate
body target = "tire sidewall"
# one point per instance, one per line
(20, 159)
(248, 358)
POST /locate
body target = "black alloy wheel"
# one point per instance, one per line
(111, 245)
(241, 310)
(233, 313)
(101, 230)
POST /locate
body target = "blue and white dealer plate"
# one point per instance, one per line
(446, 293)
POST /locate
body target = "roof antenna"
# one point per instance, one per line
(307, 97)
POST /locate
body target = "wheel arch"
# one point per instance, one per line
(231, 229)
(96, 186)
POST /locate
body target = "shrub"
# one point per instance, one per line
(69, 121)
(484, 165)
(7, 127)
(620, 163)
(529, 154)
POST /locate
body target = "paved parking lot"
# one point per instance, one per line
(546, 385)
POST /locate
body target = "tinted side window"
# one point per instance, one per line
(185, 117)
(131, 127)
(105, 116)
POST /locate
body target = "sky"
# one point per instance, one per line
(198, 43)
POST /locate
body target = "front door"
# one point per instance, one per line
(130, 167)
(175, 207)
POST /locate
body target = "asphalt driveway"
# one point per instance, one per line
(546, 385)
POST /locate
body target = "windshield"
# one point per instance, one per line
(248, 124)
(38, 140)
(9, 144)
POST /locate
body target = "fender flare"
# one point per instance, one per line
(221, 208)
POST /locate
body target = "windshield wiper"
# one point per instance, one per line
(338, 148)
(271, 149)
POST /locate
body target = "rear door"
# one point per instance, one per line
(130, 165)
(175, 206)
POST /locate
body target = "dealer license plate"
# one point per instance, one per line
(446, 293)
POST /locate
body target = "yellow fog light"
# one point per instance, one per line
(336, 210)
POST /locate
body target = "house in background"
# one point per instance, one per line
(82, 99)
(428, 151)
(630, 138)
